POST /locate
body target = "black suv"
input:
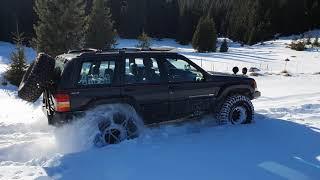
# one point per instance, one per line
(159, 86)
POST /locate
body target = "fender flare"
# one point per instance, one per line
(236, 89)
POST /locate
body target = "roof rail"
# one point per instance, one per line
(129, 49)
(85, 50)
(161, 49)
(88, 51)
(143, 49)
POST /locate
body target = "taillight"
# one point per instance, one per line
(62, 102)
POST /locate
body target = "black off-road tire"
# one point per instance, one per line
(226, 111)
(36, 78)
(121, 124)
(124, 127)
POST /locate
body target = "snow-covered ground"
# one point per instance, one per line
(283, 143)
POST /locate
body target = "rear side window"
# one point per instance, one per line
(142, 71)
(97, 73)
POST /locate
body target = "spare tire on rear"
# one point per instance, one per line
(36, 78)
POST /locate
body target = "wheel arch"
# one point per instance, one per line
(116, 100)
(245, 90)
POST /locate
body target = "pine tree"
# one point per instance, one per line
(60, 25)
(185, 28)
(298, 46)
(18, 61)
(316, 42)
(132, 17)
(308, 41)
(205, 36)
(224, 46)
(99, 29)
(144, 41)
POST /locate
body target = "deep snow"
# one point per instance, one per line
(282, 143)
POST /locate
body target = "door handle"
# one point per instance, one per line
(128, 90)
(171, 90)
(75, 93)
(172, 87)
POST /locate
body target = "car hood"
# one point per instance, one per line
(229, 76)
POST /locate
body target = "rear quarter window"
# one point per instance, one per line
(58, 69)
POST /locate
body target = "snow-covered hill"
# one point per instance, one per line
(283, 143)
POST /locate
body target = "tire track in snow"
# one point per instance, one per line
(282, 101)
(24, 133)
(301, 108)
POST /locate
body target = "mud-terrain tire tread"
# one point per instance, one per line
(223, 115)
(130, 126)
(120, 118)
(36, 78)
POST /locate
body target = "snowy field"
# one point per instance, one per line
(282, 143)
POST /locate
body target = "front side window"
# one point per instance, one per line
(181, 71)
(97, 73)
(142, 71)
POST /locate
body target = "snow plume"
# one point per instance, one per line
(79, 135)
(25, 135)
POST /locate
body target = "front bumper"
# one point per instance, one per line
(256, 94)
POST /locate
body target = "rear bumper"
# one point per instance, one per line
(58, 118)
(256, 94)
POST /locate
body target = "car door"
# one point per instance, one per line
(189, 91)
(96, 82)
(144, 82)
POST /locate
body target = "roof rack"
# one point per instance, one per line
(85, 50)
(123, 50)
(161, 49)
(89, 51)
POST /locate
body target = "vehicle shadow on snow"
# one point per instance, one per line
(270, 148)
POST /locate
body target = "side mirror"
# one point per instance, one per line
(235, 70)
